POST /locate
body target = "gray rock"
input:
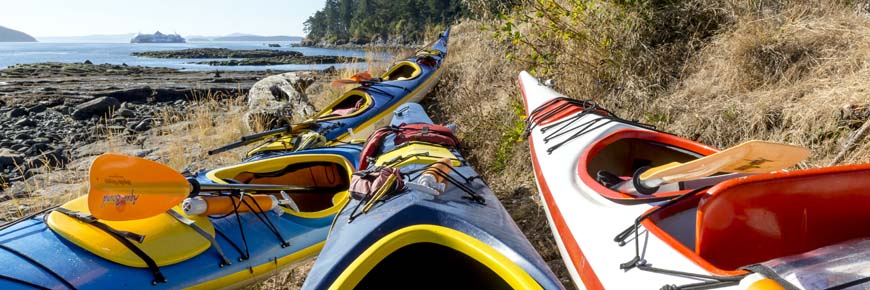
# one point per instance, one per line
(63, 109)
(25, 123)
(37, 148)
(279, 99)
(144, 125)
(96, 107)
(16, 112)
(10, 157)
(37, 109)
(52, 158)
(124, 112)
(19, 147)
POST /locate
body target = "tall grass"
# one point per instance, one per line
(716, 71)
(212, 120)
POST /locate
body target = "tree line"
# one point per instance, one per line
(363, 20)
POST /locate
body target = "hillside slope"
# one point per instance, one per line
(11, 35)
(712, 71)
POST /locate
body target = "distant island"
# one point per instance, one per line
(245, 37)
(157, 37)
(11, 35)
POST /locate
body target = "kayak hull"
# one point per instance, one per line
(586, 216)
(44, 259)
(444, 229)
(382, 98)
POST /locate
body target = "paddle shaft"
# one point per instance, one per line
(245, 140)
(206, 187)
(628, 186)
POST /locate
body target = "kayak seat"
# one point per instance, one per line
(751, 220)
(328, 173)
(325, 176)
(342, 109)
(167, 241)
(625, 151)
(352, 103)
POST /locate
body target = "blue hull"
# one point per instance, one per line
(386, 95)
(31, 251)
(487, 222)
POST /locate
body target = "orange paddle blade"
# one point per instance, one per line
(129, 188)
(354, 79)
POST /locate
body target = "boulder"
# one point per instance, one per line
(37, 109)
(25, 123)
(98, 106)
(124, 112)
(16, 112)
(53, 158)
(143, 125)
(279, 100)
(10, 157)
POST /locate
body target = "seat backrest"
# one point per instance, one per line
(751, 220)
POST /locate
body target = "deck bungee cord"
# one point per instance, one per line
(392, 186)
(564, 126)
(417, 199)
(639, 262)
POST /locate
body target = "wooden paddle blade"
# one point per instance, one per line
(750, 157)
(129, 188)
(342, 82)
(354, 79)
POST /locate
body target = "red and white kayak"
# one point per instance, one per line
(807, 229)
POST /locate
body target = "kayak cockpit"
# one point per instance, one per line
(352, 103)
(623, 152)
(401, 71)
(754, 219)
(415, 264)
(327, 174)
(413, 255)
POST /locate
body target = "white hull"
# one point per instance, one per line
(581, 218)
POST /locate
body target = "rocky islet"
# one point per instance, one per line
(247, 57)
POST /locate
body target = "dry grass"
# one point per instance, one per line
(180, 140)
(479, 93)
(716, 71)
(719, 72)
(184, 137)
(798, 75)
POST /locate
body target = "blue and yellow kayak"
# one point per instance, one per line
(61, 248)
(367, 107)
(421, 218)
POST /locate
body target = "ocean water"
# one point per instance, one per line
(12, 53)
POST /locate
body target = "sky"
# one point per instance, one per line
(41, 18)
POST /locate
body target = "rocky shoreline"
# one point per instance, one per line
(398, 41)
(247, 57)
(50, 112)
(217, 53)
(317, 59)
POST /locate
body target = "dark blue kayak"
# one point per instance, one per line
(51, 250)
(421, 218)
(359, 111)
